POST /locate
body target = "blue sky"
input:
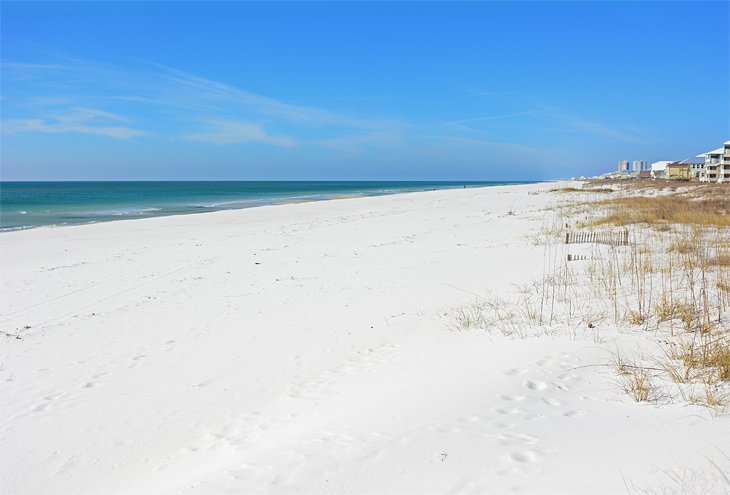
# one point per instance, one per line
(358, 90)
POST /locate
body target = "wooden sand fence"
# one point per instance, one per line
(620, 238)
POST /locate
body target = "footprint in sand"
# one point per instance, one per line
(49, 400)
(502, 426)
(515, 372)
(535, 385)
(544, 361)
(525, 456)
(512, 397)
(575, 414)
(508, 410)
(136, 360)
(511, 439)
(534, 417)
(39, 408)
(94, 381)
(551, 402)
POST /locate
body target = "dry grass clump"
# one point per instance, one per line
(635, 380)
(669, 309)
(723, 286)
(638, 385)
(707, 210)
(682, 246)
(637, 185)
(712, 396)
(716, 356)
(653, 185)
(600, 190)
(706, 357)
(513, 318)
(721, 259)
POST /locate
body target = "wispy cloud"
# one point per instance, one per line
(357, 142)
(176, 104)
(558, 117)
(80, 120)
(631, 135)
(493, 145)
(490, 117)
(183, 101)
(219, 93)
(231, 132)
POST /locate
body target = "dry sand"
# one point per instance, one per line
(304, 348)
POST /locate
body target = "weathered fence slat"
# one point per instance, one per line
(620, 238)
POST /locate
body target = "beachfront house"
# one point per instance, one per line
(717, 164)
(696, 169)
(658, 169)
(678, 171)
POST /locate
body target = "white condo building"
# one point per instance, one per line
(717, 164)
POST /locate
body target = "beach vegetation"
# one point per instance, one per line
(671, 280)
(599, 190)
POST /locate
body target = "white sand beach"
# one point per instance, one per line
(310, 349)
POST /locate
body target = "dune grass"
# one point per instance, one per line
(673, 279)
(691, 296)
(713, 210)
(600, 190)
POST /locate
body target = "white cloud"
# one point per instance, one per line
(491, 117)
(79, 120)
(232, 115)
(230, 132)
(560, 118)
(602, 130)
(189, 87)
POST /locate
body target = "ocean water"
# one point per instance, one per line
(32, 204)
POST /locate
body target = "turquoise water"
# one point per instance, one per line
(33, 204)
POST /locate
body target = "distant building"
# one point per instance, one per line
(678, 171)
(713, 159)
(639, 166)
(623, 166)
(696, 169)
(658, 169)
(717, 164)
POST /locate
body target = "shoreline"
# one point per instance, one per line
(143, 209)
(313, 348)
(273, 203)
